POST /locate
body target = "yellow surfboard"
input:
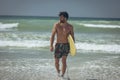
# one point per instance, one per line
(72, 46)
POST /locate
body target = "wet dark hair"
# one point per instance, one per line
(65, 14)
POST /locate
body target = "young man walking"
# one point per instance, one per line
(61, 29)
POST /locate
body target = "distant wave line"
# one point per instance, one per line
(99, 25)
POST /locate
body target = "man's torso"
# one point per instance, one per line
(62, 32)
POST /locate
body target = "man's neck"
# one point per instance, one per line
(63, 23)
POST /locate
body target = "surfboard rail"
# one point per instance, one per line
(72, 46)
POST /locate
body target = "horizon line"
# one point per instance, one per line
(31, 16)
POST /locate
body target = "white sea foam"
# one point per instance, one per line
(24, 43)
(100, 25)
(80, 46)
(8, 25)
(98, 47)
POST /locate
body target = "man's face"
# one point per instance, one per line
(62, 19)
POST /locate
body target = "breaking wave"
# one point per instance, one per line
(8, 25)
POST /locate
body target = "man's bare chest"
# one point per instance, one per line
(63, 29)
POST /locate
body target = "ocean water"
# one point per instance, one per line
(25, 55)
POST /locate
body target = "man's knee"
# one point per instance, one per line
(56, 61)
(64, 60)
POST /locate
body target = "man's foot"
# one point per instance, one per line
(62, 75)
(59, 75)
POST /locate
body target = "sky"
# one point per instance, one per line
(75, 8)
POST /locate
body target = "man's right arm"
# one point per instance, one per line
(52, 38)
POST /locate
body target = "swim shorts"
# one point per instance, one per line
(61, 49)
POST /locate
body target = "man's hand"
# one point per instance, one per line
(51, 48)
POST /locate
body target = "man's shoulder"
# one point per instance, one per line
(70, 25)
(57, 23)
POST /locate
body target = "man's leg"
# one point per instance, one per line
(63, 65)
(57, 65)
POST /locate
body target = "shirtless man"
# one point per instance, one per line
(61, 29)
